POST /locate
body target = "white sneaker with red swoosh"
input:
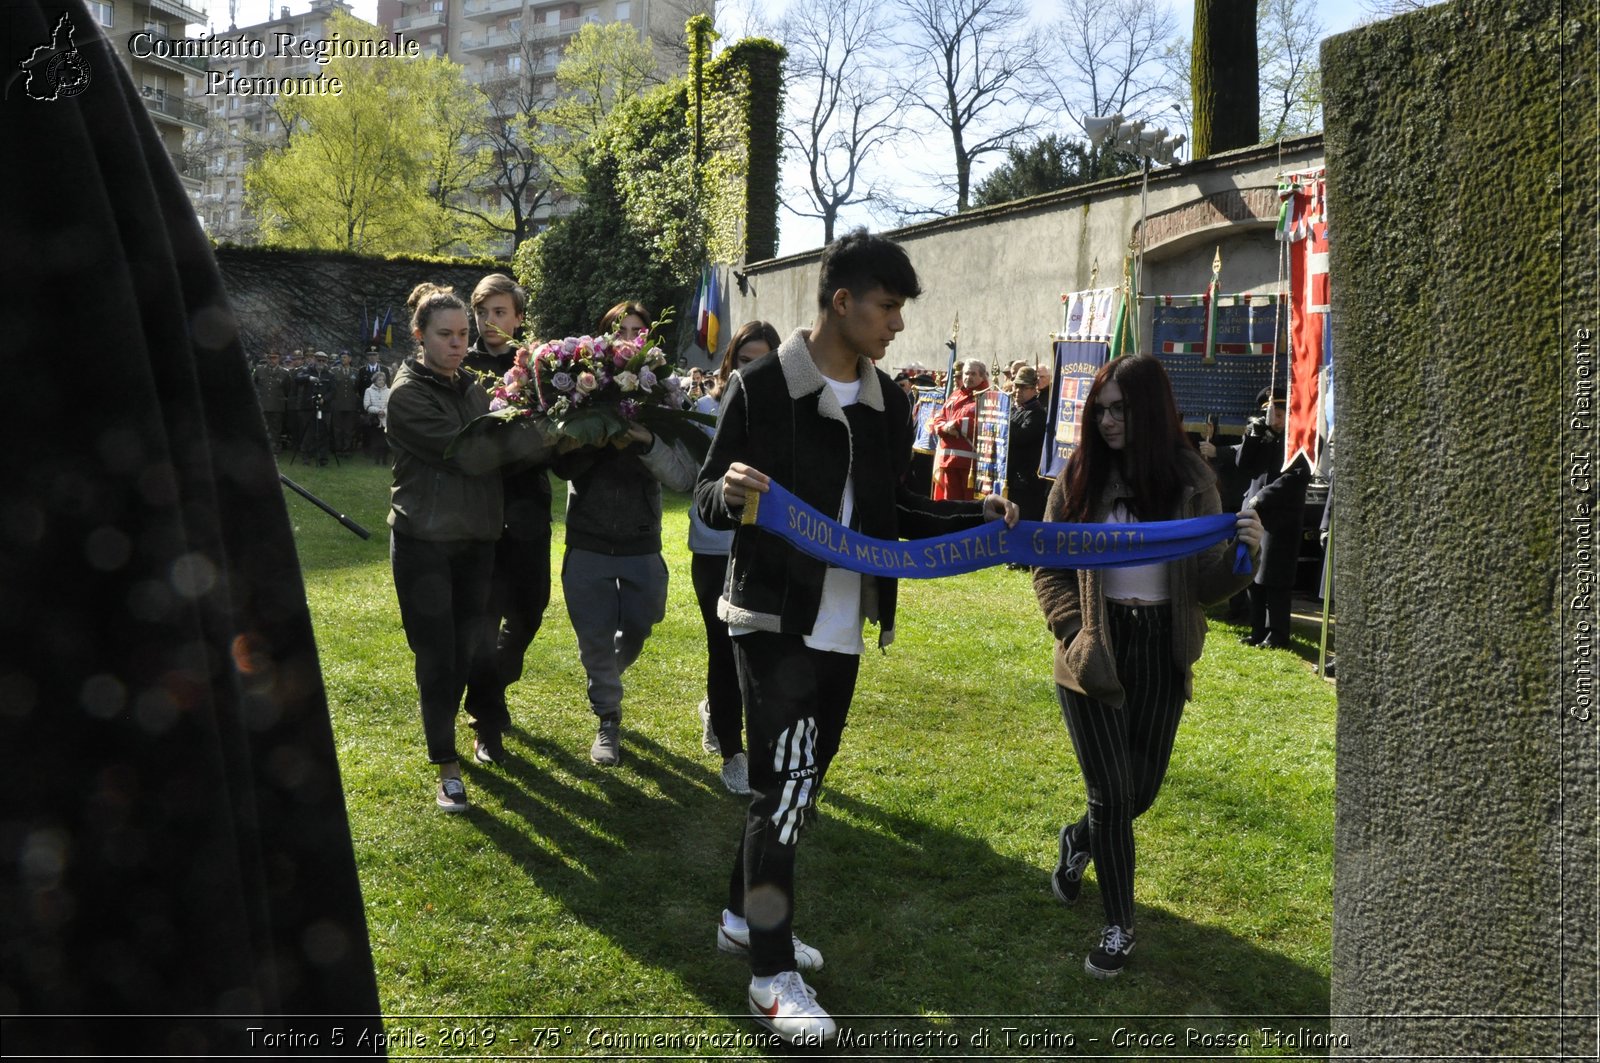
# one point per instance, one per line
(789, 1008)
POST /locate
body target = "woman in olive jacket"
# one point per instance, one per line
(1127, 638)
(445, 515)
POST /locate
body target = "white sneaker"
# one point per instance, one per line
(738, 942)
(708, 737)
(789, 1009)
(736, 774)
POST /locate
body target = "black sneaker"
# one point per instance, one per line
(1107, 959)
(607, 748)
(489, 748)
(1068, 877)
(452, 795)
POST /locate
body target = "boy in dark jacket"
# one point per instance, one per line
(823, 421)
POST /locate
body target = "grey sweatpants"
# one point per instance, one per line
(613, 603)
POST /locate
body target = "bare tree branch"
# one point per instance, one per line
(1288, 34)
(975, 68)
(842, 107)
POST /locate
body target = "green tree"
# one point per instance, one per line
(1047, 165)
(602, 67)
(1223, 71)
(637, 232)
(372, 169)
(649, 216)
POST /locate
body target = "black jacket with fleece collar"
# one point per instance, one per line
(780, 417)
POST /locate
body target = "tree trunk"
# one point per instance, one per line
(1225, 74)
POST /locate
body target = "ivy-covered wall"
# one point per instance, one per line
(683, 175)
(314, 300)
(1460, 143)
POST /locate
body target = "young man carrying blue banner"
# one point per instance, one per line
(823, 421)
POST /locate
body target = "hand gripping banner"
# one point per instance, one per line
(1046, 544)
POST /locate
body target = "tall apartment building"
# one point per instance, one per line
(133, 26)
(236, 126)
(492, 39)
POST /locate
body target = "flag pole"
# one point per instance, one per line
(1327, 600)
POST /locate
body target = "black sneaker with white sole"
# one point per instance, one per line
(1107, 959)
(1067, 879)
(489, 748)
(451, 795)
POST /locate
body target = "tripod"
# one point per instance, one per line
(318, 437)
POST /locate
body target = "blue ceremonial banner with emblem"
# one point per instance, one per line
(993, 444)
(927, 403)
(1219, 378)
(1076, 363)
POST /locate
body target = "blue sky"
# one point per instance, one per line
(736, 17)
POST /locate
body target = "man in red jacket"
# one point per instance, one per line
(956, 425)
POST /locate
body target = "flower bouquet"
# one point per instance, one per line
(590, 390)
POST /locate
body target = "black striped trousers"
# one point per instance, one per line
(1123, 751)
(796, 700)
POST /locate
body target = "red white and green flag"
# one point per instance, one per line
(1303, 224)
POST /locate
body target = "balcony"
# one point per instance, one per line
(426, 20)
(565, 28)
(173, 107)
(193, 66)
(179, 9)
(489, 10)
(191, 167)
(488, 42)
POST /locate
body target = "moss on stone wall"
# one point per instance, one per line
(314, 300)
(1444, 135)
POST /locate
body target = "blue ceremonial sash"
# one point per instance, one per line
(1045, 544)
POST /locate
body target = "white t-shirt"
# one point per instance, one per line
(1136, 583)
(838, 626)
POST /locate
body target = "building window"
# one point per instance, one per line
(591, 14)
(622, 11)
(552, 17)
(514, 64)
(101, 13)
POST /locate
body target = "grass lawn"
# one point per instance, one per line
(583, 901)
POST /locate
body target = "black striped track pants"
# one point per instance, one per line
(1123, 751)
(796, 700)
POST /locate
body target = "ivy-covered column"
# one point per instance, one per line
(1461, 166)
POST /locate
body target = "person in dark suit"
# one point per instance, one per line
(1279, 496)
(1027, 431)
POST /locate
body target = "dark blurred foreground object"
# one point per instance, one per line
(177, 862)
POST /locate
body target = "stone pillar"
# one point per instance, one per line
(1462, 187)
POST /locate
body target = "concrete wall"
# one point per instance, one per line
(1461, 163)
(1003, 269)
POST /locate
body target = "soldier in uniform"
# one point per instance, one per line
(346, 403)
(295, 415)
(364, 373)
(272, 383)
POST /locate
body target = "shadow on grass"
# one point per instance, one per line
(915, 919)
